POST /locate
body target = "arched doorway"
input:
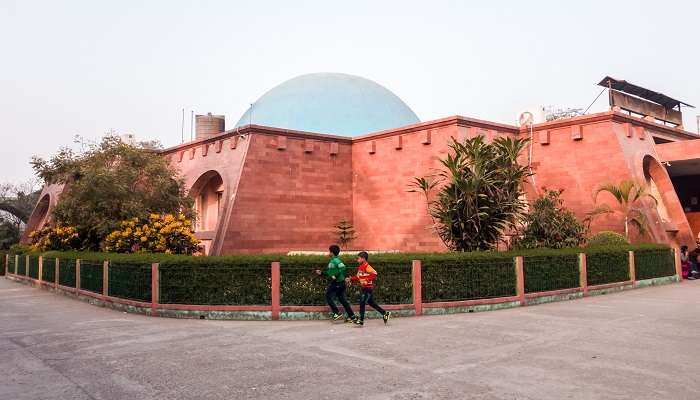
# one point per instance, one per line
(208, 195)
(40, 215)
(670, 224)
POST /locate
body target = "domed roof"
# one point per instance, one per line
(330, 103)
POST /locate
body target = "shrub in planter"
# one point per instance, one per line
(607, 238)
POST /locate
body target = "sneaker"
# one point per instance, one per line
(692, 278)
(351, 319)
(386, 317)
(337, 317)
(358, 323)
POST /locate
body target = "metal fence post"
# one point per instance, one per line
(26, 266)
(583, 273)
(56, 266)
(275, 290)
(520, 279)
(7, 264)
(155, 293)
(16, 263)
(40, 278)
(105, 278)
(633, 273)
(417, 275)
(77, 275)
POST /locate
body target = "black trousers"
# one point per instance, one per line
(367, 297)
(337, 289)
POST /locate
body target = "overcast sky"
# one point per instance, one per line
(87, 67)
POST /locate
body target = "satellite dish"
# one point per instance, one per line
(525, 118)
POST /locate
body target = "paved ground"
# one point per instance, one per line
(639, 344)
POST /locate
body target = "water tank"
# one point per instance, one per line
(209, 125)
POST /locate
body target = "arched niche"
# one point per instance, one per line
(670, 223)
(208, 194)
(40, 215)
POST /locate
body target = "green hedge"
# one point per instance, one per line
(66, 272)
(91, 276)
(130, 281)
(299, 284)
(551, 272)
(34, 266)
(607, 266)
(654, 263)
(215, 284)
(22, 265)
(246, 280)
(466, 278)
(48, 270)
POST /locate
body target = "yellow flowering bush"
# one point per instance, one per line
(167, 233)
(55, 238)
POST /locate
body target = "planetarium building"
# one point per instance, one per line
(324, 147)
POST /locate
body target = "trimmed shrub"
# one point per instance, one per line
(551, 272)
(91, 276)
(467, 278)
(607, 265)
(66, 272)
(654, 263)
(607, 238)
(130, 281)
(22, 265)
(34, 266)
(246, 279)
(215, 283)
(48, 272)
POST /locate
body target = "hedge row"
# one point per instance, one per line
(607, 266)
(650, 263)
(246, 280)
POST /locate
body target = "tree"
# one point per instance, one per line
(550, 224)
(16, 205)
(479, 194)
(345, 232)
(109, 182)
(629, 196)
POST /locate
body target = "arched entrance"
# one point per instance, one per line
(670, 224)
(208, 195)
(40, 215)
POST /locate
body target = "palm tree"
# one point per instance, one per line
(479, 192)
(629, 196)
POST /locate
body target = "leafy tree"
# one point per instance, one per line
(479, 194)
(16, 204)
(109, 182)
(345, 232)
(629, 196)
(550, 224)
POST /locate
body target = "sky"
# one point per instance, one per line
(90, 67)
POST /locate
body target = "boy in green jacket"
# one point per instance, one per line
(336, 285)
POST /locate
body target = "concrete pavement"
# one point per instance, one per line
(640, 344)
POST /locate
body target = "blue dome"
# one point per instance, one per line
(330, 103)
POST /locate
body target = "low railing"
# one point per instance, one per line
(272, 290)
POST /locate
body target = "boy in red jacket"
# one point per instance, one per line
(366, 276)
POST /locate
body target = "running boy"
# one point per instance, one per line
(337, 285)
(366, 276)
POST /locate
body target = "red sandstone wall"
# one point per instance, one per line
(292, 191)
(386, 215)
(224, 156)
